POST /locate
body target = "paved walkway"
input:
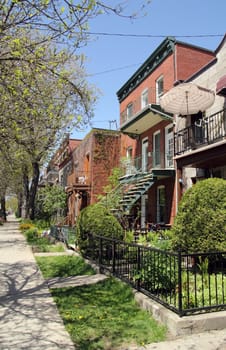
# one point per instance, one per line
(29, 319)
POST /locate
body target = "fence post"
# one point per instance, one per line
(180, 306)
(138, 266)
(113, 257)
(100, 254)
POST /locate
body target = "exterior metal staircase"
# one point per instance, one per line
(135, 186)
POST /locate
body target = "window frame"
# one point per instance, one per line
(129, 110)
(144, 98)
(159, 93)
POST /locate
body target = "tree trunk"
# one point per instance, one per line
(20, 204)
(33, 189)
(3, 208)
(26, 190)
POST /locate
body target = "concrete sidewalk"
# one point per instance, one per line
(29, 318)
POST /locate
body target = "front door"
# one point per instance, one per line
(144, 157)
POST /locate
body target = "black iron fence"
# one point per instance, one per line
(185, 283)
(63, 233)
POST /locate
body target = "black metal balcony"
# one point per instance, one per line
(206, 131)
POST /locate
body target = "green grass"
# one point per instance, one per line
(105, 316)
(45, 247)
(63, 266)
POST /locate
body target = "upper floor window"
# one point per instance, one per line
(144, 98)
(129, 110)
(129, 153)
(159, 88)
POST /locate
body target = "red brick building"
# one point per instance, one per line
(91, 165)
(147, 142)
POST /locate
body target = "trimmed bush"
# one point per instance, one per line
(96, 219)
(200, 224)
(31, 235)
(26, 226)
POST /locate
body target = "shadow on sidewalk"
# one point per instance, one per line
(28, 315)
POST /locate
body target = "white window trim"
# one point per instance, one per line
(166, 146)
(158, 95)
(154, 148)
(144, 92)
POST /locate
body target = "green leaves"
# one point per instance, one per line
(200, 224)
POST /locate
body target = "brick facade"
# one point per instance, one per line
(92, 164)
(172, 61)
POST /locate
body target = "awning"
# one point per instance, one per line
(221, 86)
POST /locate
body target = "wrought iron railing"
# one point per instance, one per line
(206, 131)
(185, 283)
(156, 159)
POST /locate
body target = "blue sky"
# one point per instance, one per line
(111, 60)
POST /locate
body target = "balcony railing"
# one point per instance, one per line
(206, 131)
(82, 178)
(157, 159)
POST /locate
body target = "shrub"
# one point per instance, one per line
(200, 224)
(31, 235)
(97, 220)
(26, 226)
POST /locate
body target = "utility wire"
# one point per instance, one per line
(154, 36)
(114, 69)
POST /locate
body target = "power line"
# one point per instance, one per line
(114, 69)
(154, 36)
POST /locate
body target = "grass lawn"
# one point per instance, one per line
(63, 266)
(51, 248)
(105, 316)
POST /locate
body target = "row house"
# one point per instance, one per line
(147, 146)
(200, 139)
(59, 165)
(63, 158)
(90, 167)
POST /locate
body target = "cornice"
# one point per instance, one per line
(152, 62)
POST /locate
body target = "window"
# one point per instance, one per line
(161, 204)
(144, 98)
(159, 88)
(129, 152)
(156, 149)
(169, 146)
(129, 110)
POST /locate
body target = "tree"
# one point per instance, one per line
(15, 170)
(51, 200)
(44, 101)
(42, 81)
(200, 224)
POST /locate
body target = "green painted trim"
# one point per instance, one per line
(166, 48)
(163, 173)
(158, 56)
